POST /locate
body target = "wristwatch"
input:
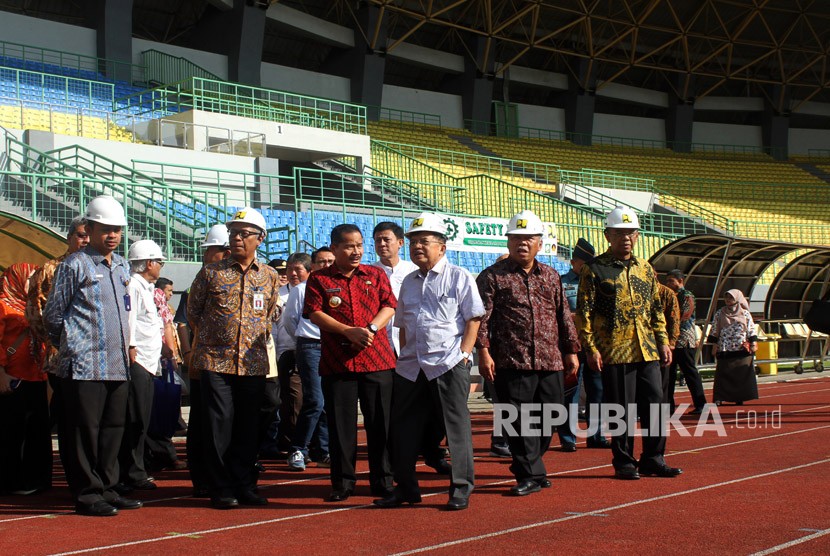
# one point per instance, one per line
(372, 328)
(466, 355)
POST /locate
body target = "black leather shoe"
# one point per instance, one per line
(249, 498)
(397, 499)
(567, 447)
(500, 451)
(224, 502)
(340, 494)
(528, 486)
(125, 503)
(627, 474)
(200, 492)
(96, 509)
(442, 466)
(458, 503)
(601, 443)
(660, 471)
(122, 489)
(146, 484)
(381, 492)
(544, 483)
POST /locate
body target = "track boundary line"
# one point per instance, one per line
(362, 506)
(608, 509)
(794, 542)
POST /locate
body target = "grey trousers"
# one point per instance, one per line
(414, 405)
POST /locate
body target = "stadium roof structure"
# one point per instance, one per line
(714, 264)
(24, 240)
(804, 279)
(775, 49)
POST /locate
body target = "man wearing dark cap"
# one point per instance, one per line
(583, 252)
(683, 355)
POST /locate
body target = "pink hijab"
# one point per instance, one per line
(729, 315)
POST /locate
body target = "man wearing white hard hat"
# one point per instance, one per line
(215, 247)
(526, 343)
(623, 330)
(146, 329)
(439, 312)
(232, 306)
(87, 316)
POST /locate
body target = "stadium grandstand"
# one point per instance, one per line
(705, 117)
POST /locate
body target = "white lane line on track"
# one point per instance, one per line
(794, 542)
(363, 506)
(495, 483)
(607, 509)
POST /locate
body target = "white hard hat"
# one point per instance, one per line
(106, 210)
(427, 222)
(525, 223)
(145, 250)
(217, 236)
(247, 215)
(622, 218)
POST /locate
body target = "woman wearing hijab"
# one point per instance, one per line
(25, 439)
(733, 332)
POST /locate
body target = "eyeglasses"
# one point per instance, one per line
(624, 233)
(244, 234)
(422, 242)
(522, 238)
(158, 262)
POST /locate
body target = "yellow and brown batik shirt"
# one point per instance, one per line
(231, 313)
(618, 310)
(40, 284)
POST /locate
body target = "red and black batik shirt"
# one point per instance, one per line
(353, 301)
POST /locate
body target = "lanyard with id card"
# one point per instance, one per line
(259, 302)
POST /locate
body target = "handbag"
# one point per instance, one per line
(167, 399)
(818, 317)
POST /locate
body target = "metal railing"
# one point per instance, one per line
(55, 89)
(404, 116)
(578, 140)
(251, 102)
(65, 62)
(187, 135)
(162, 67)
(471, 163)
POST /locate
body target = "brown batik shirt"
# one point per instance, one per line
(40, 284)
(527, 325)
(231, 313)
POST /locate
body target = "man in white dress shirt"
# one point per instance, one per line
(146, 328)
(439, 312)
(388, 238)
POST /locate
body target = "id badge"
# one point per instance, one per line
(127, 302)
(259, 302)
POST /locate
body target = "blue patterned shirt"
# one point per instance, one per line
(86, 315)
(570, 283)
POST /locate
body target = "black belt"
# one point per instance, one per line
(302, 340)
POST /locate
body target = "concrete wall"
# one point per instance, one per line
(727, 134)
(629, 127)
(429, 102)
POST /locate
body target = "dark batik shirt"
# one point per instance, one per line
(527, 325)
(688, 334)
(353, 301)
(232, 312)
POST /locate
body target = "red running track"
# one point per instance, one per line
(761, 489)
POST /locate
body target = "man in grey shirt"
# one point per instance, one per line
(439, 311)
